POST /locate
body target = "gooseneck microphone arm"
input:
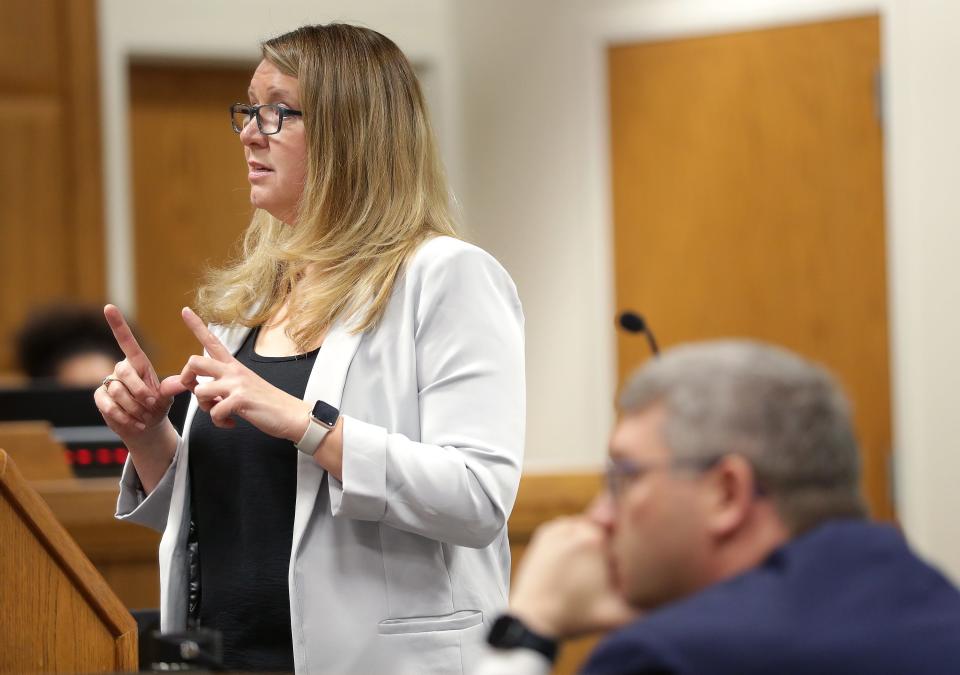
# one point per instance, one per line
(634, 323)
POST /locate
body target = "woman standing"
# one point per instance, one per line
(353, 446)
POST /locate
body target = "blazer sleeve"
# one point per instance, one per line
(458, 483)
(149, 510)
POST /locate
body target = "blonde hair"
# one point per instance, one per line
(374, 191)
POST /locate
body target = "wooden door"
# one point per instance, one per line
(51, 218)
(748, 201)
(191, 196)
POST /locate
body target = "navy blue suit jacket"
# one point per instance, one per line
(846, 597)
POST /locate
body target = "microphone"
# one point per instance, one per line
(634, 323)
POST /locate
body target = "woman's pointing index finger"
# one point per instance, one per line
(125, 338)
(210, 342)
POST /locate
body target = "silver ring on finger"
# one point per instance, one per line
(107, 380)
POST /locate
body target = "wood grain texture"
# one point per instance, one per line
(83, 187)
(29, 31)
(51, 238)
(57, 614)
(33, 260)
(748, 201)
(191, 195)
(124, 554)
(37, 454)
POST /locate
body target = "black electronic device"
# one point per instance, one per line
(635, 323)
(92, 449)
(325, 413)
(509, 632)
(199, 649)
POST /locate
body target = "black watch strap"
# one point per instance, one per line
(509, 632)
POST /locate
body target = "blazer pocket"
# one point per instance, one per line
(466, 618)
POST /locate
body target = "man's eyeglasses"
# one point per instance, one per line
(269, 116)
(621, 472)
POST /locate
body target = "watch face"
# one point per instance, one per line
(326, 413)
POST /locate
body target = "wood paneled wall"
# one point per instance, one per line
(51, 212)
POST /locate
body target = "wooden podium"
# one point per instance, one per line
(57, 614)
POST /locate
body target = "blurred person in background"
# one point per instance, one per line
(68, 344)
(731, 539)
(338, 499)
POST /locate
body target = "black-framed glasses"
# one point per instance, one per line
(621, 471)
(269, 116)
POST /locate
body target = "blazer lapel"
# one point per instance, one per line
(326, 383)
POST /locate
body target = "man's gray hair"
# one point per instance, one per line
(786, 415)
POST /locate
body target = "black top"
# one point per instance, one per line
(242, 495)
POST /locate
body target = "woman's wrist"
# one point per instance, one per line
(329, 454)
(152, 440)
(152, 452)
(299, 420)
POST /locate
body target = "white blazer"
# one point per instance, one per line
(407, 559)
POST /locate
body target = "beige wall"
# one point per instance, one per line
(535, 191)
(923, 106)
(518, 89)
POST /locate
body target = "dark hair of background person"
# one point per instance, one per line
(53, 334)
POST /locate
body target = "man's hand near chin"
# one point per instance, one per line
(563, 587)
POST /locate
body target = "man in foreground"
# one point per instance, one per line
(732, 538)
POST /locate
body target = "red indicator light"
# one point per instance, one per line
(104, 456)
(119, 455)
(84, 456)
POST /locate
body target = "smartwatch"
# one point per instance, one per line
(322, 419)
(509, 632)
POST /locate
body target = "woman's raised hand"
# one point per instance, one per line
(229, 389)
(130, 399)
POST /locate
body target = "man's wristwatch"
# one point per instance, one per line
(509, 632)
(323, 418)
